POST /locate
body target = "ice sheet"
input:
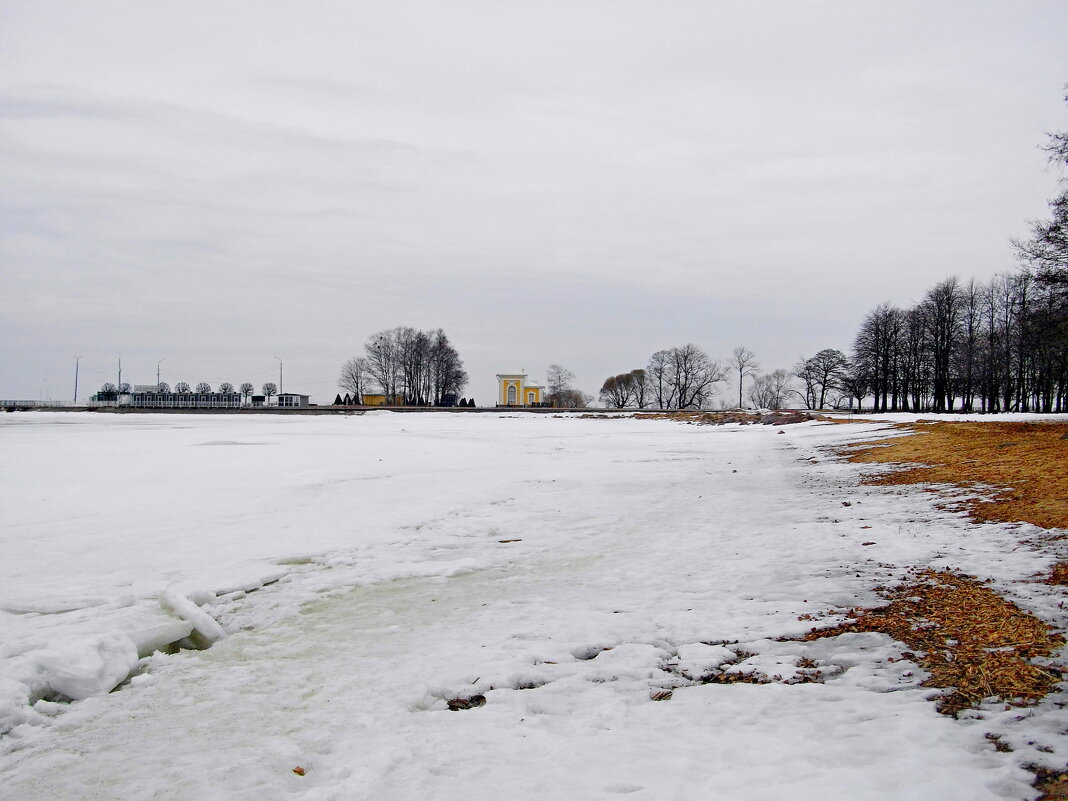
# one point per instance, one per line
(369, 569)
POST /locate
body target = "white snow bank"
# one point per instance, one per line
(90, 667)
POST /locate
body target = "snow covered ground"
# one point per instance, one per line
(357, 573)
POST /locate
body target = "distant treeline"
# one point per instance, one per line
(998, 346)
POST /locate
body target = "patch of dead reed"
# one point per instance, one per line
(968, 638)
(1026, 462)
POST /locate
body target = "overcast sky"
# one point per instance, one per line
(217, 184)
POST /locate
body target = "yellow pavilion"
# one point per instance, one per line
(513, 389)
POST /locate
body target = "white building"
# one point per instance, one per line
(292, 400)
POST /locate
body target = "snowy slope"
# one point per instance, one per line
(646, 553)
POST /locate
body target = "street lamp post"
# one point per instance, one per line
(279, 375)
(77, 359)
(161, 361)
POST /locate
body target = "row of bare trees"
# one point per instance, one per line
(686, 378)
(995, 346)
(682, 377)
(416, 368)
(1001, 345)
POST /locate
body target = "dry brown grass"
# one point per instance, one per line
(1026, 462)
(970, 639)
(1059, 574)
(1053, 786)
(697, 417)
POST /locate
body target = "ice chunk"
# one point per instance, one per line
(157, 637)
(14, 696)
(201, 597)
(205, 628)
(88, 667)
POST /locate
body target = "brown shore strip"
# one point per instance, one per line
(971, 640)
(974, 643)
(1025, 463)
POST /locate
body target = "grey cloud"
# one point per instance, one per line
(180, 182)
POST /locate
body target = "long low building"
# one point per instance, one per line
(171, 400)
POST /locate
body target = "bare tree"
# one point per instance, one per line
(822, 374)
(912, 376)
(770, 391)
(856, 383)
(617, 391)
(561, 392)
(413, 347)
(641, 387)
(203, 388)
(270, 389)
(610, 392)
(1046, 251)
(558, 381)
(626, 390)
(246, 390)
(384, 361)
(743, 361)
(353, 378)
(967, 357)
(446, 375)
(574, 399)
(182, 388)
(163, 387)
(942, 310)
(658, 374)
(694, 375)
(225, 388)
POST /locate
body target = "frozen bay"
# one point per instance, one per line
(366, 570)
